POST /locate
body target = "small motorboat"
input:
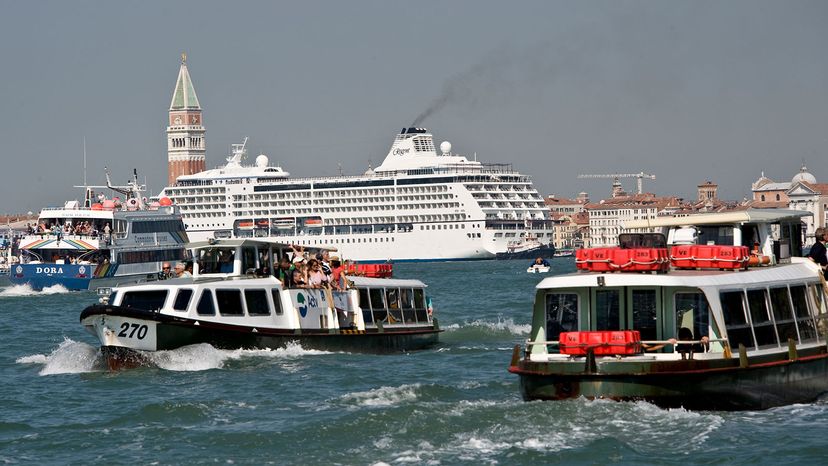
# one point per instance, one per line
(538, 268)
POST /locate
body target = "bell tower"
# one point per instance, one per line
(186, 147)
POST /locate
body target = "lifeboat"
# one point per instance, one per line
(622, 260)
(370, 270)
(601, 343)
(245, 224)
(700, 256)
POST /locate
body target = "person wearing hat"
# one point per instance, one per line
(817, 253)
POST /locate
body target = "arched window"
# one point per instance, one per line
(763, 197)
(777, 197)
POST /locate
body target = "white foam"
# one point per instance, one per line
(26, 290)
(70, 357)
(202, 357)
(507, 325)
(384, 396)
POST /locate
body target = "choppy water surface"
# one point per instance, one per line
(454, 404)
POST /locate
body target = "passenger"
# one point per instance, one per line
(541, 261)
(685, 334)
(315, 277)
(338, 279)
(285, 272)
(656, 347)
(324, 260)
(188, 267)
(165, 273)
(298, 280)
(181, 272)
(817, 253)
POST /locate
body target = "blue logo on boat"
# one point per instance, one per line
(303, 310)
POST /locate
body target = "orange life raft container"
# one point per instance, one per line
(370, 270)
(622, 260)
(601, 343)
(698, 256)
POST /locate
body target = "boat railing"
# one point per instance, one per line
(644, 342)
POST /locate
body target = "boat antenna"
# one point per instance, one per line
(84, 161)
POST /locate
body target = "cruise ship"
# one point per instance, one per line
(417, 205)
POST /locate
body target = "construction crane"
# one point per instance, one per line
(616, 176)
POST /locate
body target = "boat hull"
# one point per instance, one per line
(720, 384)
(127, 335)
(545, 252)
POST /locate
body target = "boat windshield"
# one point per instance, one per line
(216, 260)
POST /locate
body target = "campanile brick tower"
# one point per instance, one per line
(185, 134)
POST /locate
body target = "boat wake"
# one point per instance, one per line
(383, 396)
(73, 357)
(26, 290)
(470, 329)
(202, 357)
(70, 357)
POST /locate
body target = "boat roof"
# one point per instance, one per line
(799, 269)
(361, 281)
(718, 218)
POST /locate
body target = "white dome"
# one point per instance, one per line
(261, 161)
(803, 175)
(445, 148)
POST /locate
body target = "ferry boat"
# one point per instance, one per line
(528, 246)
(710, 334)
(101, 241)
(417, 205)
(244, 306)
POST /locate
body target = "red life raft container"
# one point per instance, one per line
(370, 270)
(622, 260)
(699, 256)
(601, 343)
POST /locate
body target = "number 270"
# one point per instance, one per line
(141, 330)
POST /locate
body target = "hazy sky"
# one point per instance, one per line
(685, 90)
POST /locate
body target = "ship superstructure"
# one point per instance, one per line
(417, 205)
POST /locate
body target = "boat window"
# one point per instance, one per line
(738, 329)
(378, 304)
(205, 304)
(256, 301)
(407, 305)
(365, 305)
(804, 320)
(762, 325)
(419, 298)
(277, 300)
(392, 299)
(644, 308)
(692, 312)
(182, 299)
(782, 314)
(248, 260)
(407, 298)
(215, 260)
(715, 235)
(229, 302)
(561, 314)
(150, 300)
(607, 310)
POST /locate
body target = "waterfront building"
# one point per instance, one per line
(802, 193)
(607, 217)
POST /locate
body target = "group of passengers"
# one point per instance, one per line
(320, 271)
(81, 228)
(181, 270)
